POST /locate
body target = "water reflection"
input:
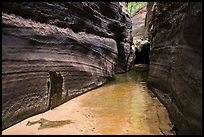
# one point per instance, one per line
(125, 106)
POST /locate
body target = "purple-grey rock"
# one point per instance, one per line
(175, 70)
(52, 52)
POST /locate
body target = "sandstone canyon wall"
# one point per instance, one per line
(138, 22)
(52, 52)
(175, 70)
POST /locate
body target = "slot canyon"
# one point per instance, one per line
(102, 68)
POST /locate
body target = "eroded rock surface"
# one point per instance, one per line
(52, 52)
(140, 40)
(138, 22)
(175, 31)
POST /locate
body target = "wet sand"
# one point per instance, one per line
(122, 106)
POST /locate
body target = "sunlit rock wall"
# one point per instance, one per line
(52, 52)
(138, 22)
(175, 70)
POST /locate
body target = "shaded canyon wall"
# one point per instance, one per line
(52, 52)
(175, 70)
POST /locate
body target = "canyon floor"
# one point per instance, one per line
(122, 106)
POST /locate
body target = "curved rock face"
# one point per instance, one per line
(105, 19)
(175, 31)
(52, 52)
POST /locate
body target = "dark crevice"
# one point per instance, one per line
(142, 57)
(55, 89)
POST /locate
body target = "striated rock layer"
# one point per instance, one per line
(175, 70)
(52, 52)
